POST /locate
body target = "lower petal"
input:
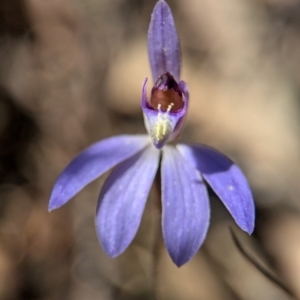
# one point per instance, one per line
(185, 204)
(122, 200)
(227, 181)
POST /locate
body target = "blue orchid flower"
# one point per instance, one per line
(185, 169)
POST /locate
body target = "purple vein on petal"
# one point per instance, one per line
(92, 163)
(122, 200)
(186, 211)
(227, 181)
(163, 43)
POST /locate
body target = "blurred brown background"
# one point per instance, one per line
(71, 74)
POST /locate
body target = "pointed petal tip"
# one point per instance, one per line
(56, 198)
(111, 253)
(247, 223)
(247, 226)
(159, 4)
(52, 207)
(179, 262)
(249, 229)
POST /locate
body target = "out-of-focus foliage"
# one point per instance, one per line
(71, 74)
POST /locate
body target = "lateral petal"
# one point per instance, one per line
(227, 181)
(122, 200)
(185, 204)
(92, 163)
(163, 43)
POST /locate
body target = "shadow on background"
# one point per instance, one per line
(71, 74)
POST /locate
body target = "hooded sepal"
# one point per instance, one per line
(163, 42)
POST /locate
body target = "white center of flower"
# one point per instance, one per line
(162, 127)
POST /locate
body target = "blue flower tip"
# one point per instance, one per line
(112, 253)
(180, 261)
(50, 208)
(249, 228)
(111, 249)
(179, 264)
(161, 4)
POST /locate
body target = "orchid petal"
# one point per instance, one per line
(163, 42)
(227, 181)
(92, 163)
(122, 201)
(186, 212)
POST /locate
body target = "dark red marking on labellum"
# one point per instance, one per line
(165, 92)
